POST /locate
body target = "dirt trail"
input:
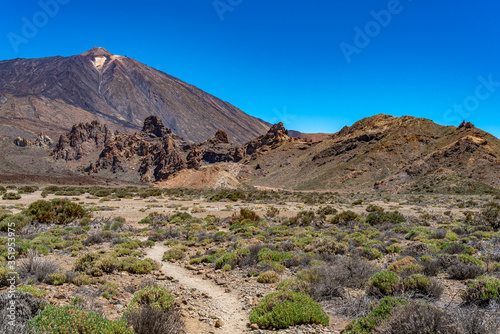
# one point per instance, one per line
(233, 317)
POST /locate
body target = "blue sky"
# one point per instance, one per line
(315, 65)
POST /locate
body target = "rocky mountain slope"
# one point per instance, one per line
(50, 95)
(386, 153)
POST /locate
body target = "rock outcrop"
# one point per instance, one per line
(40, 141)
(274, 138)
(156, 153)
(83, 140)
(154, 127)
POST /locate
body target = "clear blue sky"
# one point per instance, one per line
(302, 62)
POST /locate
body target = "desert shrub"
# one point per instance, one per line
(147, 320)
(174, 253)
(329, 280)
(326, 246)
(96, 264)
(326, 210)
(491, 215)
(376, 218)
(384, 283)
(463, 271)
(230, 258)
(374, 208)
(418, 318)
(249, 214)
(482, 290)
(144, 193)
(154, 296)
(27, 189)
(272, 212)
(252, 258)
(346, 217)
(475, 320)
(293, 285)
(455, 248)
(407, 265)
(98, 238)
(379, 312)
(16, 222)
(36, 268)
(5, 276)
(423, 285)
(370, 253)
(74, 320)
(11, 196)
(269, 276)
(56, 211)
(284, 309)
(57, 278)
(347, 271)
(416, 249)
(33, 290)
(134, 265)
(26, 307)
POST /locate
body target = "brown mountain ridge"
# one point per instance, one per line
(377, 153)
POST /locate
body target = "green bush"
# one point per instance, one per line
(137, 266)
(406, 265)
(230, 258)
(74, 320)
(5, 275)
(346, 217)
(293, 285)
(56, 211)
(384, 283)
(11, 196)
(153, 296)
(482, 290)
(27, 189)
(96, 264)
(281, 310)
(378, 314)
(33, 290)
(57, 279)
(269, 276)
(174, 253)
(371, 253)
(16, 222)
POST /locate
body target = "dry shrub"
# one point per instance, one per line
(474, 320)
(419, 318)
(463, 271)
(342, 272)
(147, 320)
(35, 267)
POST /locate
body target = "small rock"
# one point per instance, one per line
(254, 326)
(218, 323)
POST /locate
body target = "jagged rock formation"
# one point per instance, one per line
(165, 158)
(378, 153)
(155, 153)
(51, 94)
(274, 138)
(154, 127)
(83, 140)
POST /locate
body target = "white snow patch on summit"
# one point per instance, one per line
(98, 62)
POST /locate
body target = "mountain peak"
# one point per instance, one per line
(97, 51)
